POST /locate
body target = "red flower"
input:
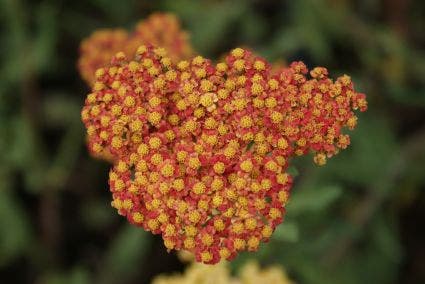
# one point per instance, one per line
(201, 150)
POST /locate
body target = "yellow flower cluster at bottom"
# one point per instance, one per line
(250, 273)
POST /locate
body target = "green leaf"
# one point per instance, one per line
(61, 109)
(287, 231)
(25, 153)
(373, 146)
(15, 235)
(77, 275)
(313, 199)
(209, 22)
(293, 171)
(124, 254)
(44, 44)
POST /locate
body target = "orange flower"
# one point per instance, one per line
(160, 29)
(97, 50)
(164, 30)
(202, 150)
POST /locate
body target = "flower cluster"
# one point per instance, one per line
(160, 29)
(250, 273)
(201, 150)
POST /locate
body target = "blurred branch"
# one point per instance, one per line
(55, 179)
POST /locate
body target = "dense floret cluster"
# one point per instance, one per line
(160, 29)
(201, 150)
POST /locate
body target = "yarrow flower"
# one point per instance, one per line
(201, 150)
(250, 273)
(161, 29)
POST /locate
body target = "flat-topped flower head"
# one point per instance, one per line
(201, 150)
(164, 29)
(97, 50)
(161, 29)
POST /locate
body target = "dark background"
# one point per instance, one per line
(359, 219)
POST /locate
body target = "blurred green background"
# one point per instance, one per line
(359, 219)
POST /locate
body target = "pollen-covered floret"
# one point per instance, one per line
(202, 160)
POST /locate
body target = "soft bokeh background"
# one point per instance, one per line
(359, 219)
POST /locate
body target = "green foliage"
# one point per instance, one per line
(124, 255)
(15, 232)
(347, 222)
(74, 276)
